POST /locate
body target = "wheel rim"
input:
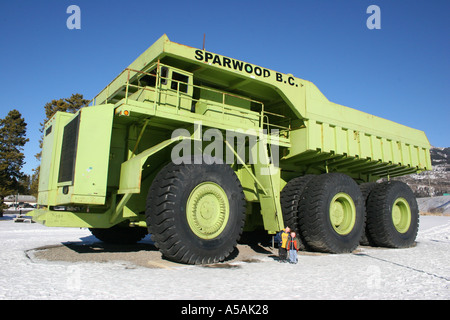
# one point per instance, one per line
(401, 215)
(342, 213)
(207, 210)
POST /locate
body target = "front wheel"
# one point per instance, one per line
(196, 212)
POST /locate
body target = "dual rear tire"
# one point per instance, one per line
(330, 212)
(334, 214)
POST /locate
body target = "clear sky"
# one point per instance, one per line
(399, 72)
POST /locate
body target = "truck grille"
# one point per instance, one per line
(69, 150)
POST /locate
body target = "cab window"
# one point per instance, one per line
(179, 82)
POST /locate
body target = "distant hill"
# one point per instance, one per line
(435, 182)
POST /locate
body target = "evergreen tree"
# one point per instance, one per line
(12, 140)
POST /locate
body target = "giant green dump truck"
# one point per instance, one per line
(195, 148)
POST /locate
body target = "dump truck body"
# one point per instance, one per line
(175, 107)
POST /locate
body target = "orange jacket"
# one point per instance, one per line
(292, 243)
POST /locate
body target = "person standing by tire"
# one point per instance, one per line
(282, 250)
(293, 245)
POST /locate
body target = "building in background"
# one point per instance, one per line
(20, 200)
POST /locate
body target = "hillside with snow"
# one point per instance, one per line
(435, 182)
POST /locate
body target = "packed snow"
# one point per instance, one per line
(421, 272)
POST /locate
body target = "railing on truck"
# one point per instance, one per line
(265, 119)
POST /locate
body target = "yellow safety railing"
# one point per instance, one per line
(133, 76)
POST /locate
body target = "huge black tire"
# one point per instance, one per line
(289, 198)
(366, 189)
(392, 215)
(119, 234)
(196, 212)
(331, 213)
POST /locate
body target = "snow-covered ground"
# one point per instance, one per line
(422, 272)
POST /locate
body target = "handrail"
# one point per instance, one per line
(157, 88)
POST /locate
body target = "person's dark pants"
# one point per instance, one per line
(282, 254)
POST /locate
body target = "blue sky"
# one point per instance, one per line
(399, 72)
